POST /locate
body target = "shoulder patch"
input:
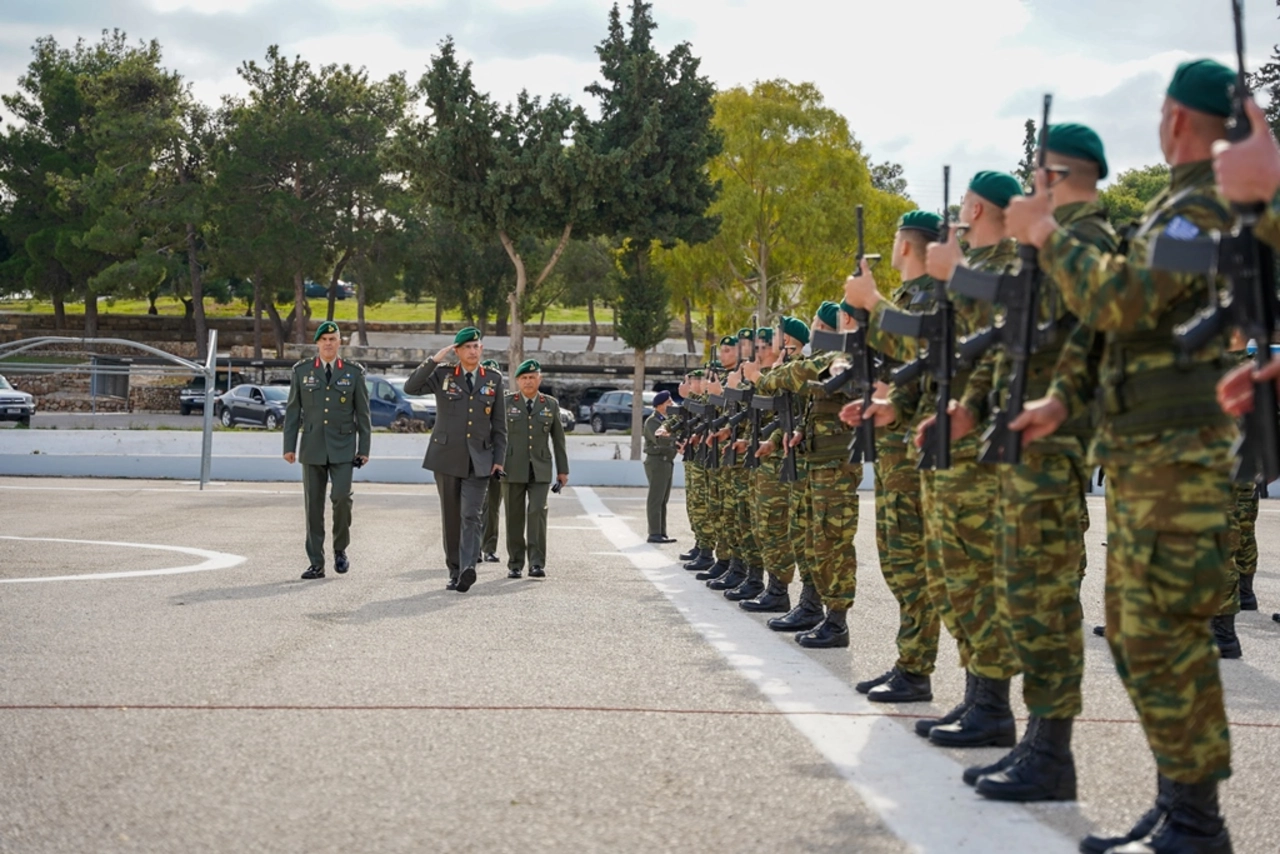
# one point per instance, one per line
(1181, 228)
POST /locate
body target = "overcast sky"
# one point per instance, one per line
(921, 82)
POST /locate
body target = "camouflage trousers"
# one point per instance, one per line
(900, 543)
(1168, 547)
(772, 520)
(935, 579)
(833, 523)
(965, 507)
(695, 504)
(743, 510)
(801, 517)
(1243, 516)
(1040, 543)
(724, 514)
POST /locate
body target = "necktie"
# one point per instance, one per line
(528, 405)
(328, 373)
(471, 386)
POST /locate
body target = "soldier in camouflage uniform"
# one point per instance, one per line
(678, 422)
(1164, 445)
(740, 478)
(899, 519)
(728, 571)
(833, 484)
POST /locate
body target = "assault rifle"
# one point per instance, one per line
(937, 330)
(1018, 334)
(1252, 306)
(715, 403)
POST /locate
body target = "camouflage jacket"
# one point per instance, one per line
(826, 436)
(918, 296)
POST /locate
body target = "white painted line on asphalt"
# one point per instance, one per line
(913, 787)
(212, 560)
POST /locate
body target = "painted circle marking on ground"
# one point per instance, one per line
(212, 560)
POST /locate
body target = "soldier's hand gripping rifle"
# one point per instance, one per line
(937, 330)
(715, 405)
(781, 405)
(751, 413)
(1252, 306)
(1019, 294)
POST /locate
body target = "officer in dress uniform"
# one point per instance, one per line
(468, 446)
(492, 504)
(659, 461)
(329, 405)
(535, 433)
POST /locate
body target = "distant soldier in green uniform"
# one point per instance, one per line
(492, 503)
(728, 571)
(741, 477)
(1164, 445)
(899, 521)
(329, 405)
(534, 436)
(679, 424)
(659, 463)
(468, 446)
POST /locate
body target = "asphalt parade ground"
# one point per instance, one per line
(167, 683)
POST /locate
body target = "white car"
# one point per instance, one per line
(15, 405)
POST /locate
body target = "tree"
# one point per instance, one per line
(506, 172)
(888, 178)
(1127, 197)
(1267, 79)
(656, 124)
(587, 271)
(1026, 171)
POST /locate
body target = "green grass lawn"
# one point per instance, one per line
(396, 311)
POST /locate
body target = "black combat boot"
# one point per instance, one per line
(774, 600)
(691, 554)
(903, 687)
(1193, 825)
(867, 684)
(750, 588)
(804, 616)
(717, 569)
(970, 692)
(703, 561)
(1045, 772)
(736, 575)
(1248, 599)
(1095, 844)
(830, 633)
(988, 723)
(1224, 632)
(972, 773)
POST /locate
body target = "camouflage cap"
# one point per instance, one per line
(529, 366)
(828, 313)
(765, 334)
(1204, 85)
(466, 336)
(796, 328)
(996, 187)
(927, 221)
(325, 328)
(1080, 141)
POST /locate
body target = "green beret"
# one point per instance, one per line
(796, 328)
(847, 309)
(466, 336)
(1203, 85)
(728, 341)
(491, 364)
(828, 313)
(746, 333)
(764, 334)
(325, 328)
(927, 221)
(1072, 139)
(996, 187)
(529, 366)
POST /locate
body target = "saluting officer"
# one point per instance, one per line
(535, 431)
(329, 405)
(468, 446)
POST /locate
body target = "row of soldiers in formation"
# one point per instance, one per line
(995, 553)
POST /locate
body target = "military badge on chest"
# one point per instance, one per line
(310, 382)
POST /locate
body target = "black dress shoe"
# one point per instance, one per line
(1100, 631)
(515, 573)
(537, 572)
(466, 578)
(490, 557)
(340, 562)
(316, 570)
(452, 585)
(659, 539)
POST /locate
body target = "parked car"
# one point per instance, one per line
(588, 399)
(387, 404)
(15, 405)
(315, 290)
(252, 404)
(423, 405)
(191, 397)
(567, 420)
(613, 410)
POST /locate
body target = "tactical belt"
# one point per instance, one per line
(1170, 398)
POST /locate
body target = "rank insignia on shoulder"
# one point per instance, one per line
(1180, 228)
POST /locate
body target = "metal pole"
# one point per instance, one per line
(210, 386)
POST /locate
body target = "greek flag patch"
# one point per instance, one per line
(1180, 228)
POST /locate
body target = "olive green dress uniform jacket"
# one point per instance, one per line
(533, 439)
(470, 434)
(333, 418)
